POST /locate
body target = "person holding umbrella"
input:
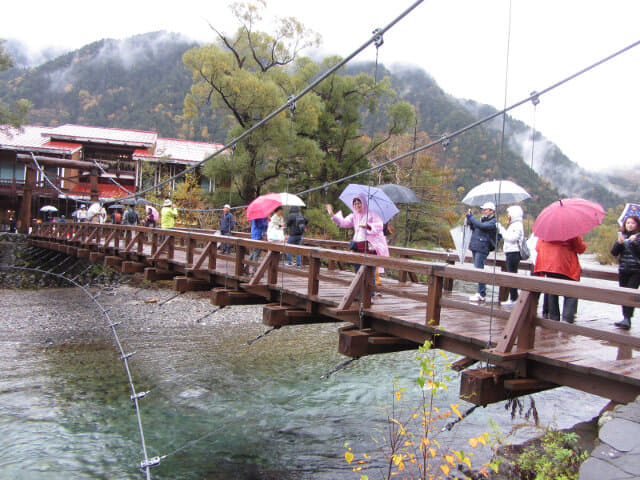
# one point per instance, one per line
(627, 247)
(484, 234)
(368, 226)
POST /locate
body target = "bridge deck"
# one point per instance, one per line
(589, 355)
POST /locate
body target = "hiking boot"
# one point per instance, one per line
(477, 298)
(625, 323)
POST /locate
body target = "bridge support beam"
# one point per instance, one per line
(276, 315)
(188, 284)
(132, 267)
(153, 274)
(223, 297)
(83, 253)
(358, 343)
(111, 261)
(96, 256)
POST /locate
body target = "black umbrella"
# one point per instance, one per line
(399, 193)
(116, 205)
(134, 201)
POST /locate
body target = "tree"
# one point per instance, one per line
(253, 73)
(16, 114)
(249, 74)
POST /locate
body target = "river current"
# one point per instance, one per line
(217, 408)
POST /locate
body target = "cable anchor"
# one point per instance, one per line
(127, 355)
(378, 40)
(292, 103)
(445, 141)
(151, 462)
(535, 98)
(140, 395)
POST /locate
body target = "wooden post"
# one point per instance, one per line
(25, 209)
(313, 283)
(434, 295)
(241, 250)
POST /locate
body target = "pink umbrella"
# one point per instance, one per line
(262, 206)
(568, 218)
(154, 213)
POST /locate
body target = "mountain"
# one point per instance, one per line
(140, 83)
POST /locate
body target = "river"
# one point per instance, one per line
(217, 408)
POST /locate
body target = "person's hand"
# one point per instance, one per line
(633, 237)
(621, 237)
(329, 209)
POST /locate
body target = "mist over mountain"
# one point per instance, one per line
(140, 83)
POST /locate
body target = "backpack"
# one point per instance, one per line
(524, 249)
(301, 225)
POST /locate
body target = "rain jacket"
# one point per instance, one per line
(513, 235)
(373, 231)
(227, 222)
(168, 217)
(484, 233)
(629, 252)
(560, 257)
(259, 228)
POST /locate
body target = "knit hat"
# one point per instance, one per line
(226, 205)
(167, 202)
(489, 206)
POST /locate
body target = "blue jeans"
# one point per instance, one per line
(478, 262)
(295, 240)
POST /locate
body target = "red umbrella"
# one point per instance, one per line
(568, 218)
(262, 206)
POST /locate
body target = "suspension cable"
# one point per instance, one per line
(135, 396)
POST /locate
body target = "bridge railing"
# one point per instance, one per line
(197, 250)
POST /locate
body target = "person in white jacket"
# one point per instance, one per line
(513, 236)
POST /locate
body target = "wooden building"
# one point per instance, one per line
(70, 164)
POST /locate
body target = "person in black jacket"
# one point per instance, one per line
(296, 226)
(627, 246)
(483, 240)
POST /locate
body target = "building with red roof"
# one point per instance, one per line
(63, 166)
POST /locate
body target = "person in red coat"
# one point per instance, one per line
(559, 260)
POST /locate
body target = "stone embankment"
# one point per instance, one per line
(617, 454)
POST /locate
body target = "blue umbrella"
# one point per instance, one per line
(376, 199)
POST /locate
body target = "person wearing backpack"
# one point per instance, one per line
(513, 237)
(130, 217)
(296, 226)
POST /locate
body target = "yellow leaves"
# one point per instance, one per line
(445, 469)
(348, 456)
(433, 452)
(473, 442)
(454, 408)
(398, 396)
(450, 460)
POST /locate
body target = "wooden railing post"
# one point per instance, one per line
(241, 251)
(313, 283)
(190, 245)
(434, 295)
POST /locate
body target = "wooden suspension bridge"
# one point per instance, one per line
(523, 352)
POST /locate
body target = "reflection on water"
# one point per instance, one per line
(263, 409)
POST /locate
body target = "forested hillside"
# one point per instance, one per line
(141, 83)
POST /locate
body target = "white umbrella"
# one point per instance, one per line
(500, 192)
(461, 236)
(48, 208)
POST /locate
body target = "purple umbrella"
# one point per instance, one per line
(376, 199)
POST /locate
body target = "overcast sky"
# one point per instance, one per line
(462, 44)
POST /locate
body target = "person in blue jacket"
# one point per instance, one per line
(483, 240)
(258, 232)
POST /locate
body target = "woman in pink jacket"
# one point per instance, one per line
(367, 228)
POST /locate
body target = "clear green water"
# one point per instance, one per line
(65, 411)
